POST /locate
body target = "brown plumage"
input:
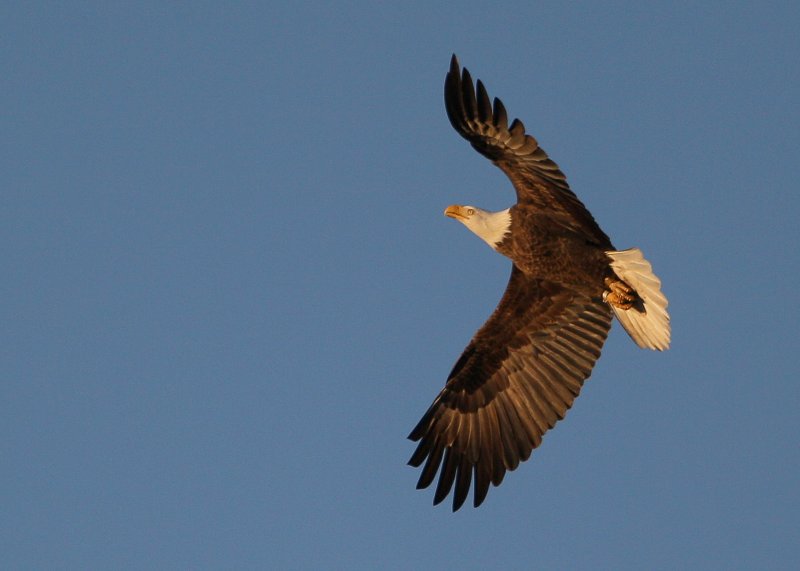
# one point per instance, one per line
(525, 366)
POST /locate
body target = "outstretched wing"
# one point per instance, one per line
(536, 178)
(515, 380)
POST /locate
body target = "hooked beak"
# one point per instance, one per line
(455, 211)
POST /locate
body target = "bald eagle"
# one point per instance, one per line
(525, 366)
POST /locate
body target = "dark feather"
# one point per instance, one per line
(447, 474)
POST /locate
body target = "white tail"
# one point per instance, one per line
(649, 328)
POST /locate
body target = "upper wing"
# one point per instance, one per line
(537, 179)
(515, 380)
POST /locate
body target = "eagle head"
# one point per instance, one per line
(491, 227)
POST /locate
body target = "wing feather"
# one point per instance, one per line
(463, 481)
(446, 476)
(517, 377)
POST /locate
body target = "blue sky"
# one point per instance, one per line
(229, 291)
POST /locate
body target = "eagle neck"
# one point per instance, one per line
(494, 227)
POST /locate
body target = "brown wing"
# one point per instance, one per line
(515, 380)
(537, 179)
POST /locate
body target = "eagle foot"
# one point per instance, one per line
(620, 294)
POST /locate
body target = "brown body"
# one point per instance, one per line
(542, 248)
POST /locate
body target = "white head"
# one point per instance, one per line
(491, 227)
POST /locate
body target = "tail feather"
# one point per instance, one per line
(648, 328)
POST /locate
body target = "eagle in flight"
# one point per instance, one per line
(525, 366)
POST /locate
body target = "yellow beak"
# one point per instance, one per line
(455, 211)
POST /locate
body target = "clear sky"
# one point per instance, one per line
(229, 291)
